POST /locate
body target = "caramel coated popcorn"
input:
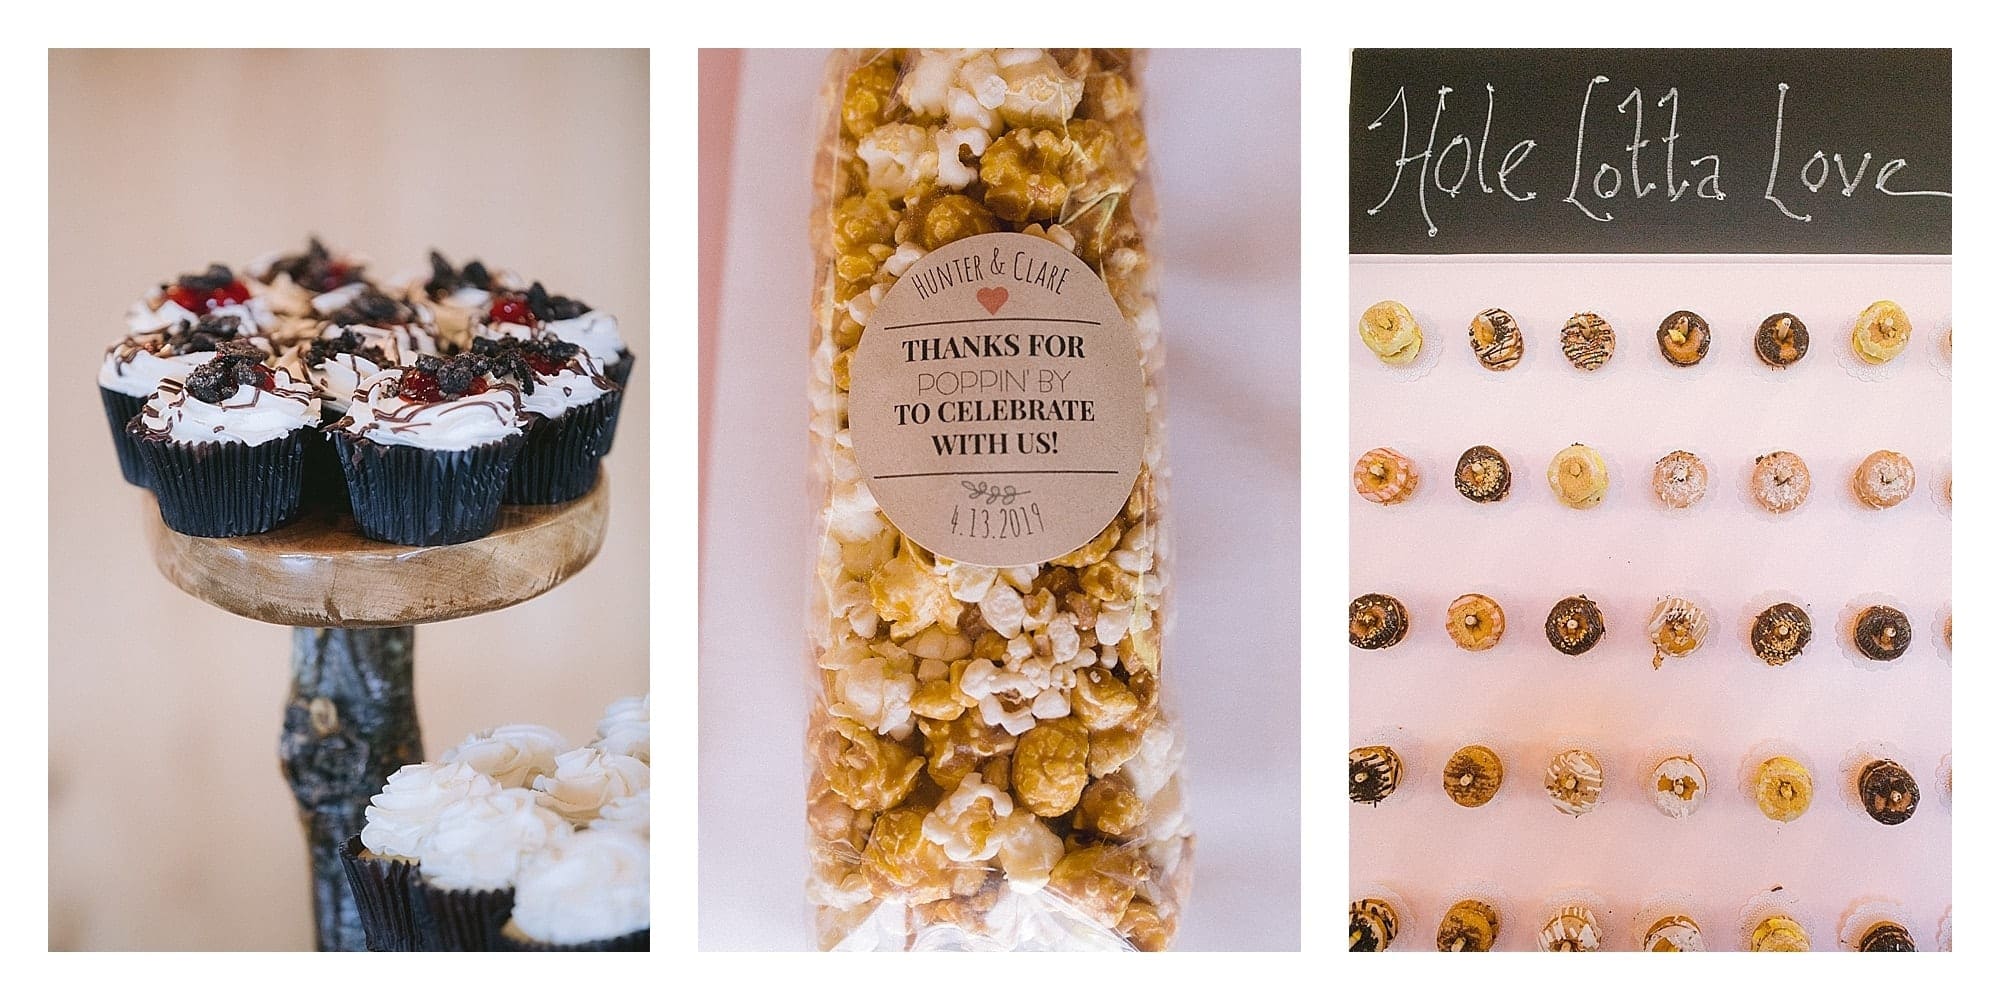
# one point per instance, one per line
(990, 763)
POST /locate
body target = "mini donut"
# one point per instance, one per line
(1680, 479)
(1385, 476)
(1780, 482)
(1496, 339)
(1388, 329)
(1884, 479)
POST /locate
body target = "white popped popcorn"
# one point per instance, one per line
(899, 157)
(965, 822)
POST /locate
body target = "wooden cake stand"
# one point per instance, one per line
(353, 605)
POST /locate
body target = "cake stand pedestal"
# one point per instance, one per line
(353, 604)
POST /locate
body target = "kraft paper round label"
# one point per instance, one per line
(996, 402)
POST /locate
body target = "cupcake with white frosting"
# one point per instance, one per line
(627, 728)
(514, 755)
(631, 814)
(577, 407)
(306, 289)
(587, 779)
(456, 296)
(450, 847)
(192, 298)
(223, 446)
(468, 866)
(427, 450)
(590, 892)
(174, 328)
(336, 364)
(381, 861)
(534, 313)
(399, 327)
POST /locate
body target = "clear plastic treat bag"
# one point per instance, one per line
(991, 765)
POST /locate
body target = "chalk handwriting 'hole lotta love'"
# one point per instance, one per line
(1449, 170)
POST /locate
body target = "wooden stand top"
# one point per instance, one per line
(319, 572)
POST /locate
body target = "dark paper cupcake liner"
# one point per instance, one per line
(415, 496)
(639, 940)
(382, 895)
(221, 489)
(323, 486)
(619, 372)
(120, 408)
(560, 455)
(460, 920)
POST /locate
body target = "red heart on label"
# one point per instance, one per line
(993, 298)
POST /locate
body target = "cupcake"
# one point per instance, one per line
(427, 450)
(305, 289)
(469, 863)
(533, 313)
(454, 297)
(336, 364)
(525, 315)
(168, 333)
(627, 728)
(590, 892)
(381, 861)
(398, 326)
(511, 755)
(631, 814)
(563, 386)
(216, 292)
(223, 447)
(588, 779)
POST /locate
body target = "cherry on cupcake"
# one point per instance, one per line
(419, 386)
(208, 291)
(511, 309)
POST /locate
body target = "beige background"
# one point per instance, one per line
(169, 824)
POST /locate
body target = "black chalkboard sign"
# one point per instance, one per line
(1650, 151)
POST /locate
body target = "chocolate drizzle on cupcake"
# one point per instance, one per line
(207, 334)
(531, 362)
(347, 340)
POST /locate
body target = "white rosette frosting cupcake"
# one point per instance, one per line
(627, 728)
(511, 755)
(427, 451)
(469, 864)
(588, 779)
(224, 446)
(590, 892)
(381, 860)
(631, 814)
